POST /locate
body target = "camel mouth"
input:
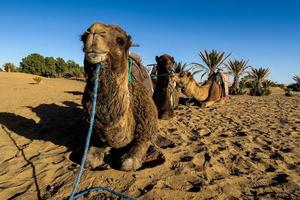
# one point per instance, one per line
(95, 58)
(173, 77)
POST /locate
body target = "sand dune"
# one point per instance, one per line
(247, 149)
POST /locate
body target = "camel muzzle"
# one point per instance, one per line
(95, 58)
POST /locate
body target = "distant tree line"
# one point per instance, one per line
(46, 66)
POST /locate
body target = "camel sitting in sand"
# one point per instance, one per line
(165, 95)
(126, 115)
(213, 90)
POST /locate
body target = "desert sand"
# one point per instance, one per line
(247, 149)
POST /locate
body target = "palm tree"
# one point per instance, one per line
(297, 79)
(258, 77)
(236, 68)
(295, 86)
(213, 60)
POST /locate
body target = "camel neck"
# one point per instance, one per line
(113, 94)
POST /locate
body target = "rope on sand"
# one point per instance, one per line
(75, 195)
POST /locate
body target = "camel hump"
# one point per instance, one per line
(140, 72)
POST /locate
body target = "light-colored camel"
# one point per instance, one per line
(126, 115)
(213, 90)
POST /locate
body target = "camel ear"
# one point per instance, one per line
(157, 59)
(129, 42)
(189, 73)
(173, 60)
(83, 37)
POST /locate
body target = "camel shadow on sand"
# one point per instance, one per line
(62, 125)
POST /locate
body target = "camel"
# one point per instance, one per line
(165, 95)
(213, 90)
(126, 116)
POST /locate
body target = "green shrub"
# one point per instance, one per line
(237, 91)
(263, 91)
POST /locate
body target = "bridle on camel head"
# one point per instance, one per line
(171, 72)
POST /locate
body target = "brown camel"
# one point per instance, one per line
(213, 90)
(126, 115)
(165, 95)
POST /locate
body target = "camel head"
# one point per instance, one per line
(165, 64)
(182, 78)
(107, 44)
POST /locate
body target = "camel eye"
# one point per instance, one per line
(120, 41)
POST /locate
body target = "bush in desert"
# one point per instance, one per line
(257, 80)
(37, 79)
(295, 86)
(9, 67)
(50, 67)
(236, 68)
(288, 92)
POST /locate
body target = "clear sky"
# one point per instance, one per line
(267, 32)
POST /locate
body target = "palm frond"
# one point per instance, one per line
(197, 66)
(196, 72)
(259, 75)
(237, 67)
(297, 79)
(203, 75)
(179, 66)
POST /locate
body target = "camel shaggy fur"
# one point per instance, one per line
(213, 90)
(165, 95)
(126, 115)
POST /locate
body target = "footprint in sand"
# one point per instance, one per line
(276, 156)
(270, 168)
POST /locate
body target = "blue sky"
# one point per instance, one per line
(267, 32)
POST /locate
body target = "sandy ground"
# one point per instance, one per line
(247, 149)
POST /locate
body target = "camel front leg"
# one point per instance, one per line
(133, 159)
(166, 114)
(207, 104)
(222, 102)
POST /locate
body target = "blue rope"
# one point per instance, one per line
(190, 98)
(130, 62)
(75, 195)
